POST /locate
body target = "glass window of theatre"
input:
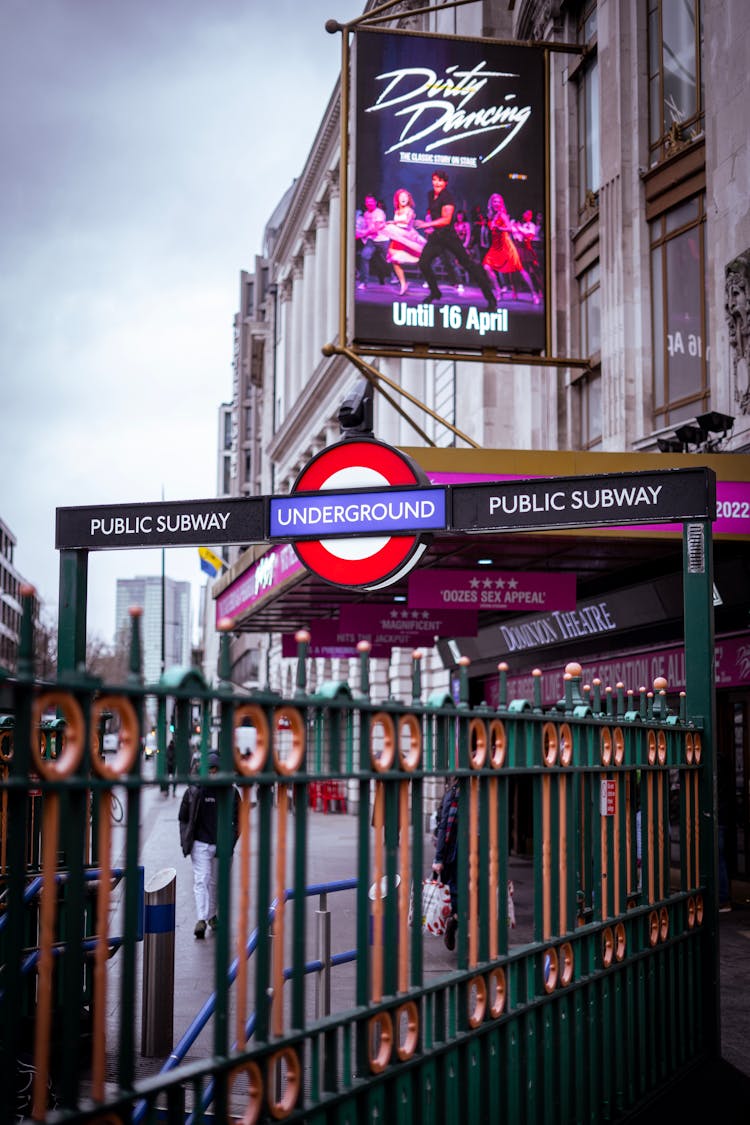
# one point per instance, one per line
(586, 386)
(675, 47)
(587, 77)
(679, 313)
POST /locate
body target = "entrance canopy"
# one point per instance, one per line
(267, 590)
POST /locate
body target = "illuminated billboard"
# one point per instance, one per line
(450, 220)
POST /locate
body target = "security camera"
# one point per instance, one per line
(355, 412)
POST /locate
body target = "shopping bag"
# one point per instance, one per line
(436, 907)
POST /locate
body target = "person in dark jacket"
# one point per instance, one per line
(171, 768)
(198, 818)
(445, 864)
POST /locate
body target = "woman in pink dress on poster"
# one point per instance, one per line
(406, 242)
(502, 256)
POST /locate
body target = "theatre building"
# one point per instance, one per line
(641, 282)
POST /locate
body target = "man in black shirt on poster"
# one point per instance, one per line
(442, 239)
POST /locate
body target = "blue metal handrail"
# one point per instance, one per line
(205, 1013)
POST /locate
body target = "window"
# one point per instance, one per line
(588, 111)
(589, 307)
(679, 325)
(587, 388)
(589, 392)
(675, 40)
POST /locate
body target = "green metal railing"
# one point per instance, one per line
(611, 998)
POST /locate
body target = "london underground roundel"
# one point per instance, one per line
(360, 562)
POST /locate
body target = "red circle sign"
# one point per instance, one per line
(362, 562)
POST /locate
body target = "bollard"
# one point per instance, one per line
(323, 979)
(157, 1009)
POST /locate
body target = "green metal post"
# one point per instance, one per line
(700, 690)
(71, 618)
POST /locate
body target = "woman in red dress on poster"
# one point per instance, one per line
(406, 242)
(502, 256)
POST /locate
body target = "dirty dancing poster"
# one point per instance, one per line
(449, 219)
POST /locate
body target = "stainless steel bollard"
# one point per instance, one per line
(323, 979)
(157, 1009)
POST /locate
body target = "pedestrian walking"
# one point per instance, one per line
(445, 864)
(171, 767)
(198, 818)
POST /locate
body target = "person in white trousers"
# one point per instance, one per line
(198, 817)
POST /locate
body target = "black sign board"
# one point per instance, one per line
(596, 501)
(182, 523)
(529, 505)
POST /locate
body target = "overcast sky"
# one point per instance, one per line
(145, 143)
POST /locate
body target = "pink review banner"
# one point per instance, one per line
(389, 625)
(325, 641)
(491, 590)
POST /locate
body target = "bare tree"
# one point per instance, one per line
(108, 662)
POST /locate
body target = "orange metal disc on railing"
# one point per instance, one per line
(73, 738)
(6, 746)
(698, 747)
(382, 758)
(283, 1105)
(409, 1014)
(566, 744)
(620, 941)
(689, 748)
(379, 1025)
(477, 992)
(256, 759)
(127, 751)
(254, 1092)
(690, 912)
(608, 947)
(549, 744)
(567, 963)
(477, 744)
(292, 720)
(661, 747)
(651, 748)
(550, 969)
(498, 741)
(663, 924)
(699, 909)
(653, 928)
(605, 746)
(618, 739)
(410, 758)
(496, 992)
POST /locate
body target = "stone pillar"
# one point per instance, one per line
(294, 360)
(282, 396)
(324, 294)
(333, 282)
(309, 360)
